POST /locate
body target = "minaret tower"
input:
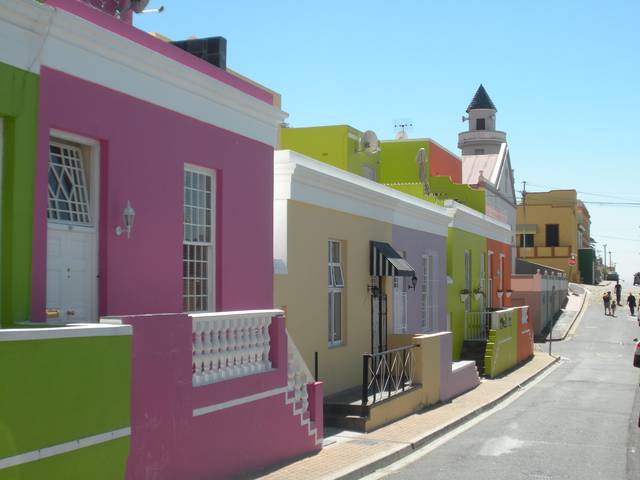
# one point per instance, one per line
(482, 138)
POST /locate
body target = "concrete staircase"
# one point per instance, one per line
(474, 350)
(296, 395)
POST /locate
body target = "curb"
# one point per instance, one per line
(575, 319)
(392, 457)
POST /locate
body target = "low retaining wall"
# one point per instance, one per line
(217, 430)
(65, 402)
(510, 340)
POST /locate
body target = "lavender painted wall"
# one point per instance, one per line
(143, 152)
(168, 442)
(416, 243)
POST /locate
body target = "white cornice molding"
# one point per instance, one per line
(306, 180)
(472, 221)
(35, 35)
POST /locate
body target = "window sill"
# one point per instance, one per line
(336, 344)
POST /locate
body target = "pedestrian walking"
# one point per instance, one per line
(631, 301)
(613, 309)
(606, 299)
(618, 289)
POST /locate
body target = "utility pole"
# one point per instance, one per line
(610, 262)
(524, 218)
(605, 258)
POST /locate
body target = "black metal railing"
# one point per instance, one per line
(387, 373)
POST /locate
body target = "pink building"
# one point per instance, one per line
(153, 205)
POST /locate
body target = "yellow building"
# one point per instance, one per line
(553, 229)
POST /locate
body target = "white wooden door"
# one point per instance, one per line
(71, 278)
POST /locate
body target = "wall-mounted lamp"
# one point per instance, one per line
(414, 282)
(128, 216)
(374, 290)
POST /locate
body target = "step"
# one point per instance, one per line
(348, 422)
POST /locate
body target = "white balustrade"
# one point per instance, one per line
(298, 376)
(230, 344)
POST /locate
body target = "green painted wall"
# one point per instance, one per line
(106, 461)
(457, 242)
(444, 188)
(332, 145)
(18, 108)
(502, 348)
(55, 391)
(399, 170)
(398, 160)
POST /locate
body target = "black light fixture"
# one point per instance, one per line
(374, 290)
(414, 282)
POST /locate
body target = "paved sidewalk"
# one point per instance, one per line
(578, 300)
(353, 455)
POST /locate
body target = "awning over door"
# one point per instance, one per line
(523, 228)
(386, 262)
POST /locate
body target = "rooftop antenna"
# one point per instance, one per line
(401, 126)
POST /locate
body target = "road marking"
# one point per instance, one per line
(431, 446)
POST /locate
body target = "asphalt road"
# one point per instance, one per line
(580, 421)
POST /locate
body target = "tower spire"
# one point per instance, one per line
(481, 100)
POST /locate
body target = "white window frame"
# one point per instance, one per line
(336, 288)
(210, 246)
(84, 187)
(429, 293)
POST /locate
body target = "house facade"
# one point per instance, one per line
(327, 219)
(137, 192)
(543, 289)
(425, 170)
(553, 229)
(382, 312)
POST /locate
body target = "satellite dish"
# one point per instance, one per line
(369, 143)
(421, 160)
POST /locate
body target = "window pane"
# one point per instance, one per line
(337, 276)
(331, 283)
(336, 252)
(337, 316)
(329, 317)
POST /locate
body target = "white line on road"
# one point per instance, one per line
(421, 452)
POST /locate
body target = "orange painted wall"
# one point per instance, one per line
(443, 163)
(525, 336)
(499, 248)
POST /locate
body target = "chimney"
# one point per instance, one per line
(212, 49)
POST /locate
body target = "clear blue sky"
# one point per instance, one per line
(564, 75)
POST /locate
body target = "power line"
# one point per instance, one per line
(601, 194)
